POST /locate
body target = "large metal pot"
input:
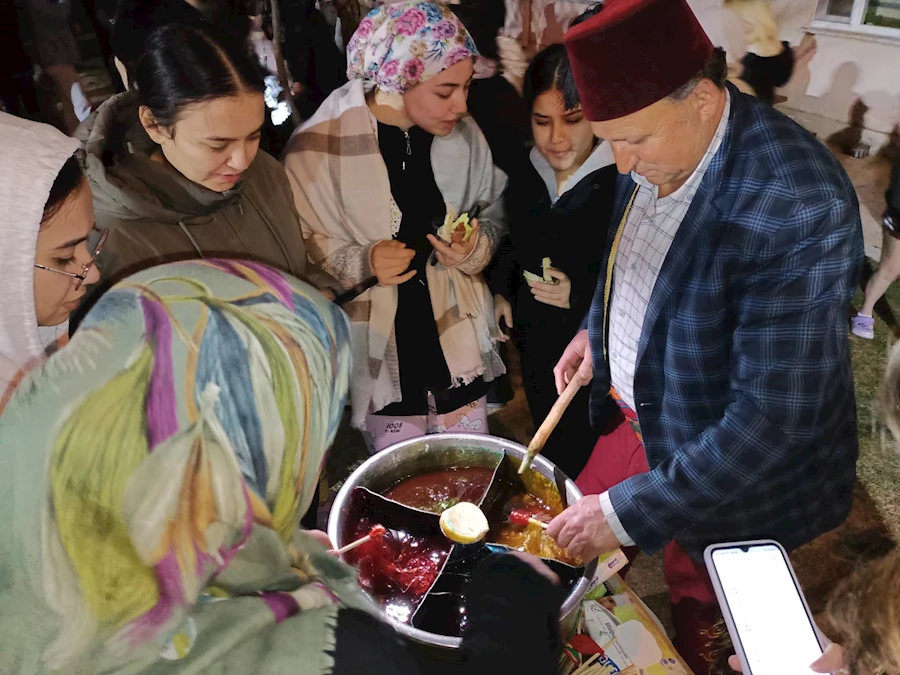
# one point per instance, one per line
(431, 453)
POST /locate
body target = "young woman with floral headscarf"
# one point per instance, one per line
(374, 174)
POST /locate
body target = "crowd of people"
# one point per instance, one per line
(174, 366)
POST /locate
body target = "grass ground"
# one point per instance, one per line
(879, 463)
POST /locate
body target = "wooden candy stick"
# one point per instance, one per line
(586, 666)
(521, 518)
(552, 419)
(377, 532)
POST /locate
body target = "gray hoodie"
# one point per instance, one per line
(30, 159)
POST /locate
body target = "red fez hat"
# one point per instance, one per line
(633, 53)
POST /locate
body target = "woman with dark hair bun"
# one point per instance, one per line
(175, 165)
(559, 209)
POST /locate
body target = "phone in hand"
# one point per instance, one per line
(765, 611)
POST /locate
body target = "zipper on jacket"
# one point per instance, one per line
(274, 233)
(240, 196)
(190, 237)
(408, 148)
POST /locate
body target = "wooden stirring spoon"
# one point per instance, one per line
(552, 419)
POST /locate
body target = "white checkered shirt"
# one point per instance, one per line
(646, 239)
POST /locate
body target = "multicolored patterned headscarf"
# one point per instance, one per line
(399, 46)
(170, 447)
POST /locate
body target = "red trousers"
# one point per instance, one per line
(618, 456)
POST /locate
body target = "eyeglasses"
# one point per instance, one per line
(86, 267)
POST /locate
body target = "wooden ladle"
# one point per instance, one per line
(550, 422)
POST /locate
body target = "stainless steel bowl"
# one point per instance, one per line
(432, 453)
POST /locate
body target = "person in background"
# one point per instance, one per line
(242, 22)
(313, 66)
(560, 210)
(135, 20)
(175, 165)
(313, 58)
(424, 345)
(45, 219)
(494, 104)
(101, 14)
(769, 63)
(502, 116)
(864, 611)
(154, 469)
(18, 95)
(863, 324)
(530, 26)
(735, 251)
(57, 54)
(349, 15)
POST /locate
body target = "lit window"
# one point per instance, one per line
(835, 10)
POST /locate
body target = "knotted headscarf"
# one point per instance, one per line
(153, 473)
(399, 46)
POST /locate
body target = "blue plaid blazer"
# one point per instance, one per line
(743, 386)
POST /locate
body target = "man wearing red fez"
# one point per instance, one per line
(719, 321)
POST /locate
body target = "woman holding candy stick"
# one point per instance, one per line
(559, 212)
(387, 160)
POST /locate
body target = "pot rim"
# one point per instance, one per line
(487, 442)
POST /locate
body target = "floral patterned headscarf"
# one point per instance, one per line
(399, 46)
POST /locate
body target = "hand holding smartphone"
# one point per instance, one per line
(767, 616)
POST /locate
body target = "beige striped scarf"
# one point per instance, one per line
(342, 192)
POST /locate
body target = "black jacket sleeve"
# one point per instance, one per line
(513, 628)
(513, 619)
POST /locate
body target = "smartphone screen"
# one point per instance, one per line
(776, 634)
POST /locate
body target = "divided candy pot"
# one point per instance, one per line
(435, 453)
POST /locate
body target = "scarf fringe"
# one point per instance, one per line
(330, 645)
(492, 367)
